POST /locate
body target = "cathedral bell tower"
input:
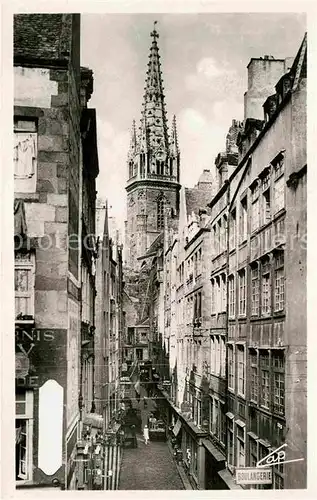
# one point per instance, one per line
(153, 166)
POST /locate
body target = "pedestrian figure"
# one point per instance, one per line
(146, 434)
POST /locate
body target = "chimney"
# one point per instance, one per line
(263, 74)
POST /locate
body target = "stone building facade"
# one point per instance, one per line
(253, 295)
(51, 143)
(109, 315)
(266, 238)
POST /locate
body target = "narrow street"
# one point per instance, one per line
(151, 466)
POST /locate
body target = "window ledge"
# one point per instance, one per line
(27, 196)
(280, 313)
(24, 321)
(241, 395)
(278, 214)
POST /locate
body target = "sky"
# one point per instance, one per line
(204, 60)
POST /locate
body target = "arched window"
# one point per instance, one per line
(160, 213)
(142, 164)
(160, 167)
(130, 169)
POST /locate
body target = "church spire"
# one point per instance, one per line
(153, 121)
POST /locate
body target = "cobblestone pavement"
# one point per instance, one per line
(149, 467)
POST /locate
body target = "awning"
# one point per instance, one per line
(177, 427)
(217, 454)
(240, 423)
(229, 415)
(229, 480)
(94, 420)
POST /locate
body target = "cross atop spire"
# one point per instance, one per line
(154, 33)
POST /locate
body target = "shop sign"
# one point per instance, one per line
(25, 340)
(253, 475)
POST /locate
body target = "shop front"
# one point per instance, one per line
(215, 461)
(39, 426)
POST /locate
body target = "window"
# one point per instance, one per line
(218, 361)
(139, 354)
(24, 282)
(232, 229)
(23, 435)
(142, 165)
(216, 249)
(211, 410)
(266, 199)
(231, 297)
(255, 289)
(160, 213)
(240, 446)
(254, 376)
(230, 442)
(215, 414)
(279, 189)
(242, 293)
(131, 172)
(222, 424)
(199, 416)
(199, 306)
(222, 356)
(87, 297)
(224, 233)
(253, 447)
(213, 297)
(230, 367)
(278, 382)
(241, 369)
(88, 381)
(25, 155)
(279, 282)
(218, 294)
(265, 379)
(266, 288)
(212, 355)
(279, 184)
(243, 219)
(255, 217)
(223, 293)
(220, 237)
(199, 263)
(278, 164)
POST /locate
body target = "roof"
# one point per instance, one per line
(157, 243)
(205, 178)
(197, 199)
